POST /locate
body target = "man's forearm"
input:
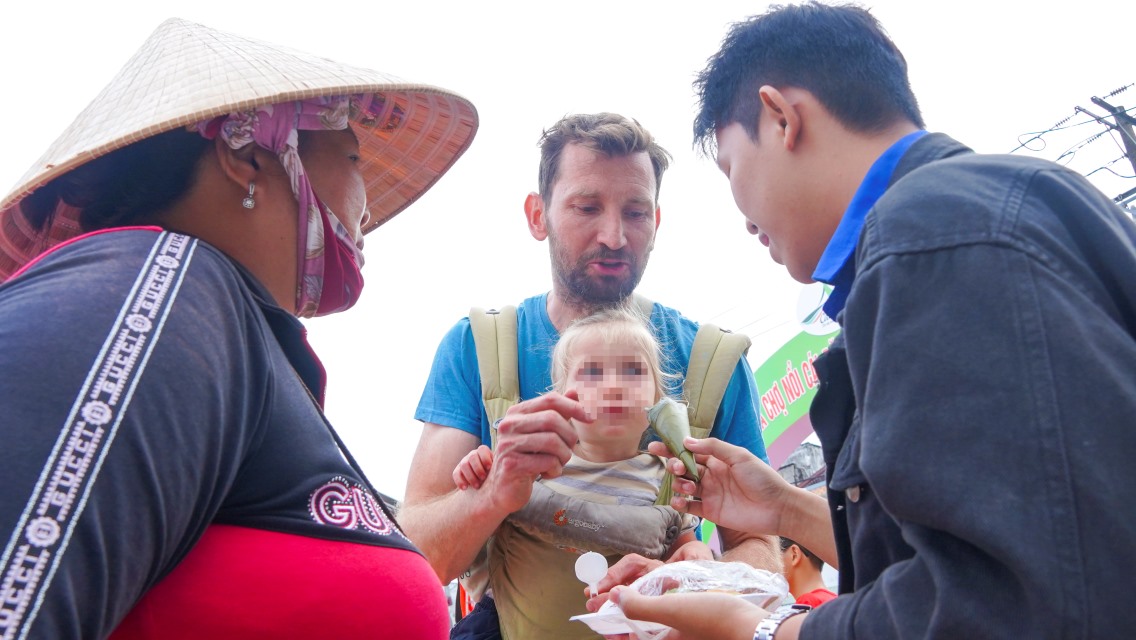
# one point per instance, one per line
(450, 530)
(807, 520)
(761, 552)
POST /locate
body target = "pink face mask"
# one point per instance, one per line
(342, 282)
(328, 279)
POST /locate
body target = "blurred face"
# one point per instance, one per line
(616, 386)
(601, 221)
(331, 160)
(770, 191)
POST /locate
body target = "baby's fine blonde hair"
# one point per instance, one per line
(622, 325)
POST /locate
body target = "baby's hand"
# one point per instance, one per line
(473, 468)
(693, 550)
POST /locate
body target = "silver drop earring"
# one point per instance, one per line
(249, 202)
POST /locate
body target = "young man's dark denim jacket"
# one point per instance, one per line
(978, 413)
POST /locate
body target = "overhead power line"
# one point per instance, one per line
(1119, 125)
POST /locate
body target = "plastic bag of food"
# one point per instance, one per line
(762, 588)
(737, 578)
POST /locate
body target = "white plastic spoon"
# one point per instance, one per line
(590, 569)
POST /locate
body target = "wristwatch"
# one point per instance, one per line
(768, 626)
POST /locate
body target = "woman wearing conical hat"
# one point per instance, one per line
(167, 468)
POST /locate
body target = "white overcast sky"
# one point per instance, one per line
(984, 71)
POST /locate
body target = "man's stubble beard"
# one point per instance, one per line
(592, 293)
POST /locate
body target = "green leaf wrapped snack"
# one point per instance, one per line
(672, 423)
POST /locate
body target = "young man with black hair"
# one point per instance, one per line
(976, 411)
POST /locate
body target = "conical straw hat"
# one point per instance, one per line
(186, 73)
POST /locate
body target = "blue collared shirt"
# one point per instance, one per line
(837, 266)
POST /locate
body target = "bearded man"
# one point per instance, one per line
(598, 208)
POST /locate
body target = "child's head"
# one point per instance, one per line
(612, 361)
(613, 327)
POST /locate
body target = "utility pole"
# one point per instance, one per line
(1121, 122)
(1125, 198)
(1124, 124)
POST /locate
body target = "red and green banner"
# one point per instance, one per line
(787, 382)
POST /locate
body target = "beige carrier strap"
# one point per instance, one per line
(713, 358)
(495, 339)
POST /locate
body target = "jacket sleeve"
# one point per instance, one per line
(992, 384)
(130, 396)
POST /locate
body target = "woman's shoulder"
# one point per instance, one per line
(134, 271)
(115, 252)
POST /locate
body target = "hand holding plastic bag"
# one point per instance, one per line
(742, 585)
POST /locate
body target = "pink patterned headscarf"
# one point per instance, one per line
(328, 279)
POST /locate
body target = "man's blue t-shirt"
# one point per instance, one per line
(452, 396)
